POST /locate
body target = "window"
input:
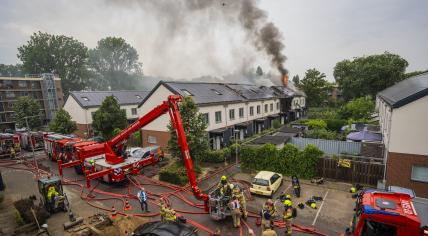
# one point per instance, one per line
(251, 111)
(241, 112)
(151, 139)
(258, 109)
(271, 107)
(93, 114)
(206, 118)
(420, 173)
(10, 94)
(218, 117)
(274, 178)
(232, 114)
(86, 99)
(22, 84)
(277, 105)
(134, 111)
(186, 92)
(373, 228)
(266, 107)
(216, 92)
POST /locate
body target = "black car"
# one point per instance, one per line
(165, 229)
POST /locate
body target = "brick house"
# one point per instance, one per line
(81, 105)
(403, 114)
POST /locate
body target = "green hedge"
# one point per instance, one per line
(215, 156)
(288, 160)
(335, 124)
(176, 174)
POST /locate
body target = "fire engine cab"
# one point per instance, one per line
(384, 213)
(57, 148)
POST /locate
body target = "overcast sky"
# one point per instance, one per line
(317, 33)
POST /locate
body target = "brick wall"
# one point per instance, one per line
(399, 170)
(161, 138)
(82, 129)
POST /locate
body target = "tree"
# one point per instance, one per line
(315, 86)
(357, 109)
(59, 54)
(11, 70)
(114, 64)
(259, 71)
(194, 128)
(369, 75)
(27, 108)
(109, 117)
(62, 123)
(296, 80)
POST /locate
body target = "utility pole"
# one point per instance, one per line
(32, 144)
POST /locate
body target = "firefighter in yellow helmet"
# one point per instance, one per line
(288, 218)
(52, 195)
(162, 209)
(241, 198)
(224, 186)
(170, 215)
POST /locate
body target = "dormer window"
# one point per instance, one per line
(216, 92)
(186, 92)
(86, 99)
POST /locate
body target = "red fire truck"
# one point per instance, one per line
(58, 146)
(7, 143)
(384, 213)
(111, 163)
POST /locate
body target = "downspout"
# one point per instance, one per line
(387, 151)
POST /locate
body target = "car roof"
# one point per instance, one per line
(264, 174)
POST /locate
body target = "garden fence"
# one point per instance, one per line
(333, 147)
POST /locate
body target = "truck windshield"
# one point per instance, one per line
(261, 182)
(373, 228)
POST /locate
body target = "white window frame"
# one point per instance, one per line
(239, 112)
(231, 114)
(132, 111)
(252, 111)
(416, 179)
(215, 116)
(151, 139)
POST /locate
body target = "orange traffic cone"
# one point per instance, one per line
(114, 212)
(127, 205)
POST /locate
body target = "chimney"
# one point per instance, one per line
(285, 80)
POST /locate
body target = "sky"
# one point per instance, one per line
(316, 34)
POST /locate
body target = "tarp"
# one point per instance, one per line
(364, 135)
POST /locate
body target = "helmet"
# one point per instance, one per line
(353, 190)
(313, 205)
(287, 203)
(224, 177)
(91, 161)
(231, 186)
(288, 196)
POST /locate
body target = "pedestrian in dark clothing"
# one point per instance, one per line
(142, 197)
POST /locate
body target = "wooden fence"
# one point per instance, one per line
(366, 172)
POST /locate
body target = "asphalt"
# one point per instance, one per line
(332, 216)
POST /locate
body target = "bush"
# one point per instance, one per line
(276, 124)
(359, 108)
(215, 156)
(321, 134)
(316, 124)
(322, 113)
(176, 174)
(335, 124)
(288, 161)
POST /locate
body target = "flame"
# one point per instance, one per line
(285, 80)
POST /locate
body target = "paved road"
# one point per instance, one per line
(323, 219)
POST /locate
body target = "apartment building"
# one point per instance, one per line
(45, 88)
(83, 104)
(403, 118)
(230, 110)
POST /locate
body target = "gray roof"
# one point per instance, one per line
(271, 139)
(252, 92)
(287, 91)
(406, 91)
(88, 99)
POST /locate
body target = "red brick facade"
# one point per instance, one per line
(159, 138)
(399, 171)
(83, 129)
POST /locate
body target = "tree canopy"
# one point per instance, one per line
(59, 54)
(114, 64)
(357, 109)
(27, 108)
(369, 75)
(62, 123)
(11, 70)
(296, 80)
(194, 128)
(109, 117)
(315, 86)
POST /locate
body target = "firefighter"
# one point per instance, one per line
(52, 196)
(162, 209)
(236, 211)
(287, 204)
(12, 152)
(224, 186)
(288, 218)
(242, 201)
(266, 218)
(269, 231)
(170, 215)
(270, 206)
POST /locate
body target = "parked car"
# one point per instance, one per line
(266, 183)
(165, 229)
(151, 154)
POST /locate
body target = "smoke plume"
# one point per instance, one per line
(177, 16)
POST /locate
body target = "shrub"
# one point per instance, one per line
(248, 157)
(215, 156)
(321, 134)
(174, 174)
(309, 160)
(359, 108)
(316, 124)
(335, 124)
(276, 124)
